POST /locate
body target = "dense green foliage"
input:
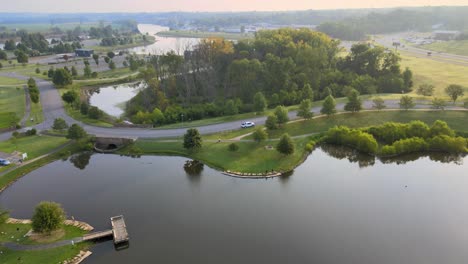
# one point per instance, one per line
(286, 66)
(354, 103)
(62, 77)
(76, 132)
(59, 124)
(285, 145)
(398, 138)
(33, 91)
(192, 139)
(260, 134)
(305, 109)
(48, 216)
(329, 106)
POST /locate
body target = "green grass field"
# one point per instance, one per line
(8, 81)
(439, 74)
(12, 105)
(15, 233)
(35, 145)
(455, 119)
(245, 159)
(459, 47)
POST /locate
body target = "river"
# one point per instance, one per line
(335, 208)
(163, 44)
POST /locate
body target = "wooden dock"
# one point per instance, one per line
(118, 231)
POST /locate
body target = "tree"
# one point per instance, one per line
(51, 72)
(271, 122)
(112, 65)
(260, 134)
(22, 57)
(59, 124)
(62, 77)
(48, 216)
(74, 72)
(329, 106)
(233, 147)
(231, 108)
(454, 91)
(192, 139)
(425, 89)
(106, 59)
(3, 55)
(87, 71)
(110, 54)
(354, 103)
(438, 103)
(408, 79)
(96, 59)
(76, 132)
(70, 97)
(94, 112)
(285, 145)
(378, 103)
(84, 108)
(38, 71)
(304, 109)
(260, 102)
(281, 114)
(406, 102)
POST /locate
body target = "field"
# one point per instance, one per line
(45, 27)
(440, 74)
(7, 81)
(455, 119)
(245, 159)
(35, 146)
(12, 105)
(459, 47)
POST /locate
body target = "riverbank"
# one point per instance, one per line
(204, 34)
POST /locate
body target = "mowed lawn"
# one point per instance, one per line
(243, 160)
(35, 146)
(12, 105)
(439, 74)
(10, 81)
(459, 47)
(455, 119)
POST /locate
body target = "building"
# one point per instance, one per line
(445, 34)
(84, 52)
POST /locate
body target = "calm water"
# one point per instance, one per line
(163, 44)
(111, 99)
(342, 209)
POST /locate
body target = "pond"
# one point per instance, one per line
(337, 207)
(163, 44)
(112, 99)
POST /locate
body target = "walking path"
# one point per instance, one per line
(27, 112)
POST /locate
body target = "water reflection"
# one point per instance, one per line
(81, 160)
(193, 169)
(364, 160)
(111, 99)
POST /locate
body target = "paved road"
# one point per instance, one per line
(387, 41)
(53, 108)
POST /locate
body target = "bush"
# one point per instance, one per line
(285, 145)
(271, 122)
(84, 108)
(59, 124)
(48, 216)
(448, 144)
(260, 134)
(357, 139)
(233, 147)
(95, 113)
(76, 132)
(31, 132)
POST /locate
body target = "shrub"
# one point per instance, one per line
(285, 145)
(448, 144)
(357, 139)
(95, 113)
(48, 216)
(271, 122)
(233, 147)
(59, 124)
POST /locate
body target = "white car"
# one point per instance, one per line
(247, 124)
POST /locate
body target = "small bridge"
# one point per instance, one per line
(118, 231)
(111, 144)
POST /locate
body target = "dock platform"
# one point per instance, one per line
(118, 231)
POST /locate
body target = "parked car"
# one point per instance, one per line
(247, 124)
(4, 162)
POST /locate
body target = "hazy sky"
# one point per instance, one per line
(203, 5)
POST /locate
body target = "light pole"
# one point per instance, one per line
(182, 117)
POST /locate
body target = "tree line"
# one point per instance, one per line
(219, 77)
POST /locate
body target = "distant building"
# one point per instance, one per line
(84, 52)
(445, 34)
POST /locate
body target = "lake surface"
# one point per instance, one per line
(111, 99)
(337, 207)
(163, 44)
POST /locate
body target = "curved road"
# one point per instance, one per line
(52, 105)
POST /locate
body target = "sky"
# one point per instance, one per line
(73, 6)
